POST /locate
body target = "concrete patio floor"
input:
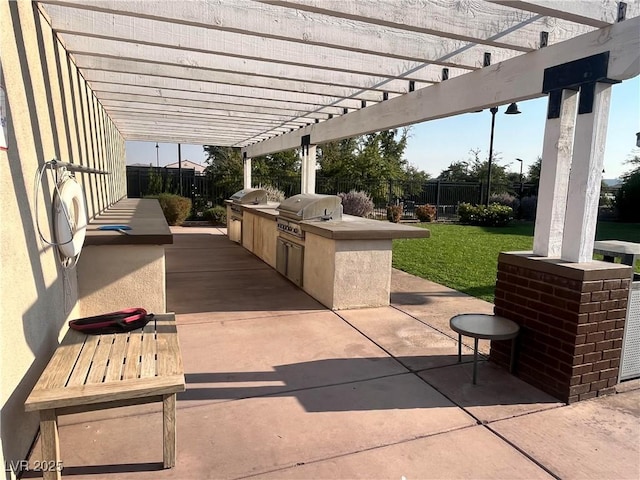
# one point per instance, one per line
(280, 387)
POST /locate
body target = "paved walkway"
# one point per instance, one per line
(280, 387)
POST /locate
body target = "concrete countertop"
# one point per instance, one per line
(268, 211)
(357, 228)
(349, 228)
(143, 215)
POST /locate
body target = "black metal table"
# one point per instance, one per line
(487, 327)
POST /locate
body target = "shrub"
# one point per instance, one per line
(394, 213)
(273, 194)
(216, 215)
(505, 199)
(528, 207)
(628, 198)
(426, 213)
(466, 212)
(492, 216)
(175, 208)
(356, 203)
(497, 215)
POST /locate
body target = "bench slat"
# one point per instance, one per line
(132, 361)
(81, 369)
(91, 357)
(100, 359)
(167, 340)
(104, 392)
(116, 360)
(63, 361)
(148, 360)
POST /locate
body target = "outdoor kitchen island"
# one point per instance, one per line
(343, 262)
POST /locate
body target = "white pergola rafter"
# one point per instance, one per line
(511, 81)
(243, 71)
(225, 90)
(107, 69)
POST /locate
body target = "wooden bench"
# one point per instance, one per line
(94, 372)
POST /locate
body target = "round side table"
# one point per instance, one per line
(487, 327)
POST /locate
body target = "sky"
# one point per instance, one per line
(434, 145)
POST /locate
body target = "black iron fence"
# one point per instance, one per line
(205, 191)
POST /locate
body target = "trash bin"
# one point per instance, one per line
(628, 253)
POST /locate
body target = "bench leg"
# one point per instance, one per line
(475, 360)
(169, 430)
(50, 444)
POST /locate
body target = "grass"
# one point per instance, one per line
(465, 258)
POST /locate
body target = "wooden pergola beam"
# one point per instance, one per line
(514, 80)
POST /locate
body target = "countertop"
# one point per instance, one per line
(358, 228)
(143, 215)
(349, 228)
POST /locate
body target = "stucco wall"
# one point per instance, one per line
(51, 113)
(136, 279)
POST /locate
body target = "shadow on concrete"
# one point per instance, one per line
(356, 395)
(103, 469)
(425, 298)
(421, 298)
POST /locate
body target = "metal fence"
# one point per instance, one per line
(443, 195)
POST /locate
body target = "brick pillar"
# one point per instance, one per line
(572, 319)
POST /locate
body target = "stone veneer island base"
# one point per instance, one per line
(572, 318)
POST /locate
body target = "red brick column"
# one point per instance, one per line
(572, 319)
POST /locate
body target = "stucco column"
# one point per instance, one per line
(246, 164)
(307, 168)
(311, 169)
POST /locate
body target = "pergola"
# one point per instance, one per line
(280, 74)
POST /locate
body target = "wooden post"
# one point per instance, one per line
(50, 444)
(554, 178)
(169, 430)
(247, 172)
(585, 178)
(311, 169)
(308, 169)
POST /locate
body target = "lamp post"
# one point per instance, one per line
(511, 110)
(157, 156)
(520, 191)
(521, 162)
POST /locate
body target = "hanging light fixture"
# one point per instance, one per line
(512, 109)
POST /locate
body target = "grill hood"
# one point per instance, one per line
(311, 206)
(250, 196)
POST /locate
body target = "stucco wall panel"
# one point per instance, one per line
(135, 279)
(49, 115)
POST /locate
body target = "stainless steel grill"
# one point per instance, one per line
(307, 206)
(246, 196)
(290, 245)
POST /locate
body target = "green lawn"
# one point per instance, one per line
(466, 258)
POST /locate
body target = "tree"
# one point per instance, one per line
(369, 158)
(225, 169)
(475, 170)
(284, 164)
(373, 163)
(628, 197)
(457, 172)
(279, 170)
(533, 173)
